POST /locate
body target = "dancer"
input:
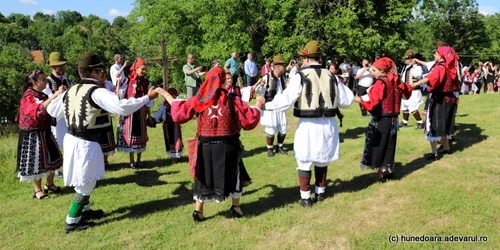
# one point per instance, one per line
(132, 131)
(38, 155)
(275, 122)
(221, 116)
(85, 107)
(171, 131)
(383, 102)
(443, 84)
(317, 136)
(412, 72)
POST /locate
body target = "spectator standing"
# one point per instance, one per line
(266, 68)
(192, 75)
(250, 70)
(232, 65)
(346, 72)
(117, 69)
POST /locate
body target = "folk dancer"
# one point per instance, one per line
(443, 84)
(221, 117)
(85, 108)
(38, 155)
(316, 94)
(275, 122)
(171, 131)
(383, 101)
(412, 72)
(132, 130)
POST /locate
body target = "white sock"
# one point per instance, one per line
(270, 146)
(405, 121)
(70, 220)
(280, 145)
(305, 194)
(319, 190)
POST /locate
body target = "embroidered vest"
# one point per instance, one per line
(272, 86)
(218, 121)
(391, 102)
(83, 117)
(319, 94)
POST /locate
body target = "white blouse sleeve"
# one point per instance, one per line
(110, 102)
(345, 95)
(56, 107)
(285, 100)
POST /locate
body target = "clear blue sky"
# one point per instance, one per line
(109, 9)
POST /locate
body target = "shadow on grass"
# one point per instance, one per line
(260, 150)
(158, 163)
(182, 196)
(353, 134)
(144, 178)
(466, 135)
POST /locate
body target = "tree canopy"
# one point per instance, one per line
(212, 29)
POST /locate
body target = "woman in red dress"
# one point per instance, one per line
(383, 102)
(221, 116)
(38, 155)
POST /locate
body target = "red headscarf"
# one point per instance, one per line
(388, 66)
(450, 59)
(138, 63)
(210, 90)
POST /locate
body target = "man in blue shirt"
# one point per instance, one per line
(250, 70)
(232, 65)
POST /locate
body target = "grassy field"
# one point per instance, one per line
(150, 208)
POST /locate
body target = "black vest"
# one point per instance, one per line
(55, 83)
(272, 86)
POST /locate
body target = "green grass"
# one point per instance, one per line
(151, 208)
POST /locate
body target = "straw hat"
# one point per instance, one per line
(56, 59)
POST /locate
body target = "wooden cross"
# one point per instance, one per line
(164, 60)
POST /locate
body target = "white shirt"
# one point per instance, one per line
(345, 66)
(366, 79)
(112, 72)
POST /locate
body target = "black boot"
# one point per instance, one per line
(92, 214)
(420, 125)
(319, 197)
(306, 203)
(80, 226)
(280, 150)
(270, 152)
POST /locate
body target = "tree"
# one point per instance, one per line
(458, 23)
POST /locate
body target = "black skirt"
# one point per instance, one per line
(380, 144)
(221, 170)
(441, 115)
(37, 154)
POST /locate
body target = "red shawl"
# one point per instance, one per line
(450, 59)
(210, 91)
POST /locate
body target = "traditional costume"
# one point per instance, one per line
(53, 84)
(275, 122)
(317, 95)
(221, 116)
(37, 150)
(412, 73)
(132, 130)
(107, 138)
(383, 102)
(443, 85)
(171, 131)
(85, 109)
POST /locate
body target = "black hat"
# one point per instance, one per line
(90, 61)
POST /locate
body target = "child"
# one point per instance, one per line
(171, 131)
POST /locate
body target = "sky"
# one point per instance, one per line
(110, 9)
